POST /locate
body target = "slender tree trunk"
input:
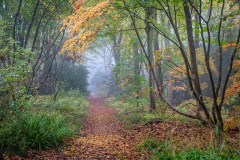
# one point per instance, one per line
(149, 33)
(193, 59)
(116, 44)
(14, 32)
(219, 128)
(31, 23)
(168, 76)
(158, 64)
(136, 69)
(15, 23)
(197, 45)
(37, 30)
(196, 19)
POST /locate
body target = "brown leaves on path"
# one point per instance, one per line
(104, 138)
(100, 119)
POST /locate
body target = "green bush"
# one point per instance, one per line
(33, 131)
(162, 150)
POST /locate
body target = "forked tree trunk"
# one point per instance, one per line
(218, 123)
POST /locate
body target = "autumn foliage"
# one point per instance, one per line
(234, 88)
(83, 25)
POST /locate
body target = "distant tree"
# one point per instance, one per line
(74, 77)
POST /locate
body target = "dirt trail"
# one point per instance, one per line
(100, 119)
(104, 136)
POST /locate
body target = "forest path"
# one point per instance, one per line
(101, 119)
(104, 136)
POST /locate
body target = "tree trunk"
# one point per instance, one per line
(197, 45)
(116, 44)
(158, 64)
(31, 23)
(15, 23)
(219, 127)
(136, 70)
(193, 61)
(149, 33)
(169, 88)
(196, 18)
